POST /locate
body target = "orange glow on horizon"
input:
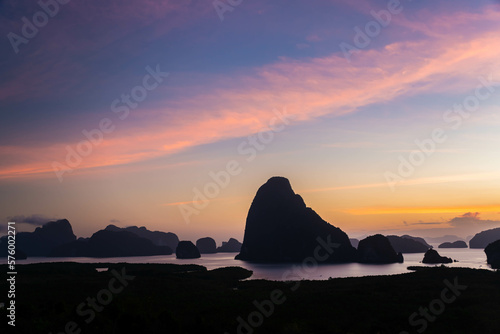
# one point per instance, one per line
(423, 210)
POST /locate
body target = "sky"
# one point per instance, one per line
(171, 114)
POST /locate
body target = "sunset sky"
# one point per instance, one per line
(384, 115)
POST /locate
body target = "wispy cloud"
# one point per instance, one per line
(224, 199)
(426, 223)
(351, 145)
(35, 219)
(416, 181)
(241, 103)
(422, 210)
(461, 226)
(439, 150)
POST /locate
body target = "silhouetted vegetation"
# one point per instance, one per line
(167, 298)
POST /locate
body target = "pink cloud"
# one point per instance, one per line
(242, 104)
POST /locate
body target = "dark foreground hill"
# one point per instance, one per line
(165, 298)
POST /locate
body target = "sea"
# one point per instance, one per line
(469, 258)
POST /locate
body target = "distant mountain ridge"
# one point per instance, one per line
(56, 239)
(158, 238)
(407, 244)
(484, 238)
(456, 244)
(43, 239)
(231, 246)
(106, 243)
(279, 228)
(441, 239)
(418, 239)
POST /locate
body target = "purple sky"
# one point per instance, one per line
(121, 110)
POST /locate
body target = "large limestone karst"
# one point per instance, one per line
(281, 228)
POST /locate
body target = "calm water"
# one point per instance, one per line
(471, 258)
